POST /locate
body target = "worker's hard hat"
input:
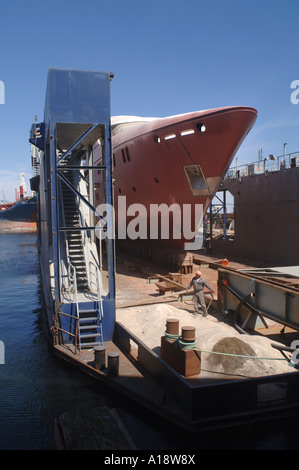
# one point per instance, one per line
(198, 273)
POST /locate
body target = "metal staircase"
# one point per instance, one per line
(74, 237)
(90, 332)
(89, 315)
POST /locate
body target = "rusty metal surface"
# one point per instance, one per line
(269, 296)
(186, 362)
(266, 218)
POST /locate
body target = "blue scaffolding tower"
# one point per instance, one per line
(76, 119)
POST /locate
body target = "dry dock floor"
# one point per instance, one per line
(147, 319)
(144, 311)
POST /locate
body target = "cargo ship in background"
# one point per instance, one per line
(177, 160)
(19, 216)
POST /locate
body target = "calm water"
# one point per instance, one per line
(36, 387)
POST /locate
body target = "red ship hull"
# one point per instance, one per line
(12, 226)
(175, 160)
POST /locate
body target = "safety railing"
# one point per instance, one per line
(268, 164)
(94, 272)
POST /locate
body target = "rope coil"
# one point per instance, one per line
(192, 346)
(169, 336)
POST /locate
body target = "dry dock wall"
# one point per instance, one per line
(266, 208)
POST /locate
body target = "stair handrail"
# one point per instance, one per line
(73, 279)
(98, 286)
(85, 243)
(74, 283)
(98, 274)
(99, 294)
(62, 215)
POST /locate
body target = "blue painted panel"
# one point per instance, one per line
(109, 318)
(76, 96)
(69, 324)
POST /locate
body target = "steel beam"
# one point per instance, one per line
(90, 206)
(77, 142)
(270, 298)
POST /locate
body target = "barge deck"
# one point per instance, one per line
(149, 380)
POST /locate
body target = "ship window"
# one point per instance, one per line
(134, 189)
(156, 180)
(157, 139)
(123, 155)
(187, 132)
(170, 136)
(128, 155)
(113, 160)
(201, 127)
(119, 190)
(196, 180)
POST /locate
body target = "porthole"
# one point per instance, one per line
(201, 127)
(134, 189)
(128, 154)
(119, 190)
(123, 155)
(156, 180)
(157, 139)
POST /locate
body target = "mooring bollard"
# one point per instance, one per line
(113, 364)
(172, 327)
(99, 357)
(188, 334)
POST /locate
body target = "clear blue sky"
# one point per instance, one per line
(168, 57)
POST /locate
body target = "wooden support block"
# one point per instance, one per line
(176, 277)
(165, 286)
